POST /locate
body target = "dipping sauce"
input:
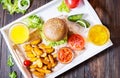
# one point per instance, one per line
(19, 33)
(65, 55)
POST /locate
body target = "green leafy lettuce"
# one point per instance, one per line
(11, 6)
(24, 3)
(13, 74)
(10, 61)
(63, 7)
(34, 21)
(54, 43)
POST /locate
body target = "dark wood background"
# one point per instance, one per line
(104, 65)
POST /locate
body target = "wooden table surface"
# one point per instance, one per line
(104, 65)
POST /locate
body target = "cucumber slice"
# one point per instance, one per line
(83, 23)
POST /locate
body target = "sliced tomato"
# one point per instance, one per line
(72, 3)
(65, 55)
(76, 42)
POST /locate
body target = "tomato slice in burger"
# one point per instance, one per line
(72, 3)
(76, 42)
(65, 55)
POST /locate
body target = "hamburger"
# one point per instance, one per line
(55, 31)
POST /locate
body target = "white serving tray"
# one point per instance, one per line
(47, 11)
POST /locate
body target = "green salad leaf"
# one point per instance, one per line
(54, 43)
(24, 3)
(11, 6)
(63, 7)
(10, 61)
(34, 21)
(13, 74)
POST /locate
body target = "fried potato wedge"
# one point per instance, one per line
(38, 51)
(39, 63)
(43, 71)
(35, 42)
(38, 74)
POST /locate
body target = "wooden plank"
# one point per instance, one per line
(115, 29)
(37, 3)
(97, 67)
(2, 63)
(76, 72)
(4, 68)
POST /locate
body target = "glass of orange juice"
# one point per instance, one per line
(98, 34)
(19, 33)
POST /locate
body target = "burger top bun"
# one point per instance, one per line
(55, 29)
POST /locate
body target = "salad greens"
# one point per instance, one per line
(34, 21)
(54, 43)
(10, 64)
(63, 7)
(10, 61)
(24, 3)
(12, 6)
(13, 74)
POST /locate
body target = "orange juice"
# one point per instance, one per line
(19, 33)
(98, 34)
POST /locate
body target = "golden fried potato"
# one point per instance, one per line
(28, 47)
(35, 54)
(43, 71)
(54, 55)
(44, 55)
(49, 50)
(51, 58)
(35, 42)
(42, 46)
(32, 69)
(44, 67)
(49, 66)
(54, 64)
(33, 66)
(38, 74)
(30, 55)
(38, 51)
(48, 46)
(33, 59)
(46, 60)
(39, 63)
(41, 56)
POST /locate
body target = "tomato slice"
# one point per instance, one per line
(65, 55)
(76, 42)
(72, 3)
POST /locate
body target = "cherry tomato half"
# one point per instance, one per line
(65, 55)
(76, 42)
(27, 63)
(72, 3)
